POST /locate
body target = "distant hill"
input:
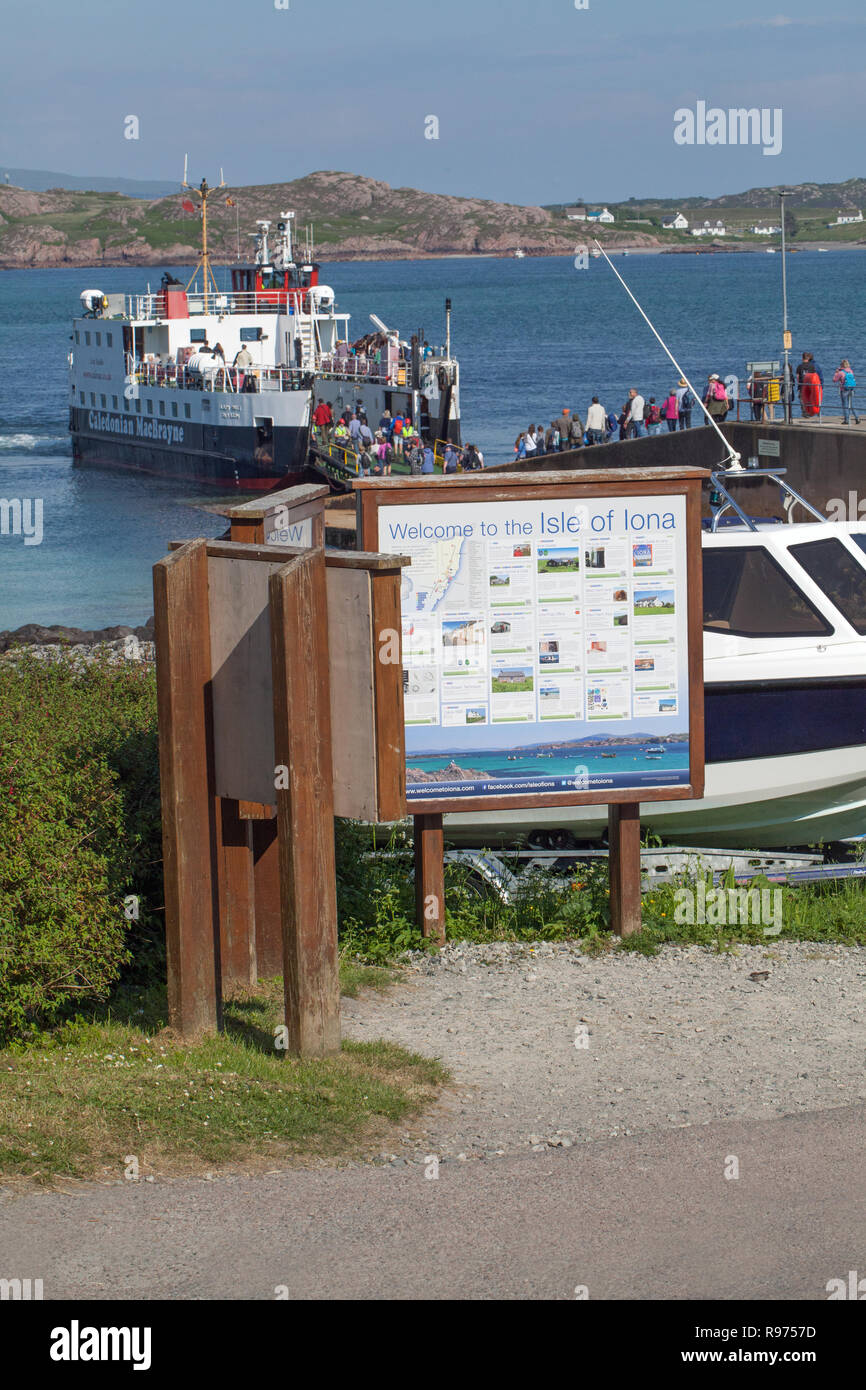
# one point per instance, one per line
(39, 180)
(354, 218)
(358, 218)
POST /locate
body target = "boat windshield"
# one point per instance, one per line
(748, 594)
(836, 571)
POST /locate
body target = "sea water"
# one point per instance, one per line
(531, 335)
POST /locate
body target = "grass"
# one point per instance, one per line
(98, 1091)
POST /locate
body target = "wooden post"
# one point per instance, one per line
(430, 876)
(623, 834)
(305, 804)
(266, 872)
(237, 925)
(182, 633)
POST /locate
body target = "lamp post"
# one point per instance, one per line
(786, 335)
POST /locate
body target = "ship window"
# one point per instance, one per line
(198, 335)
(86, 339)
(81, 397)
(125, 403)
(103, 402)
(93, 398)
(99, 340)
(114, 403)
(186, 409)
(78, 337)
(174, 409)
(109, 341)
(835, 570)
(748, 594)
(162, 407)
(149, 406)
(138, 404)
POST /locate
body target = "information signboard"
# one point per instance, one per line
(551, 635)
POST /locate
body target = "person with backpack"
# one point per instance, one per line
(552, 438)
(653, 417)
(716, 398)
(397, 434)
(686, 403)
(846, 381)
(671, 410)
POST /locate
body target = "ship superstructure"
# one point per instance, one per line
(218, 385)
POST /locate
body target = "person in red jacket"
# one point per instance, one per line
(322, 419)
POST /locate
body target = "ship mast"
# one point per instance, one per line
(204, 264)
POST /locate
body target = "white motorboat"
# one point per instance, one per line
(785, 694)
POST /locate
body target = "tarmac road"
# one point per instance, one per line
(648, 1217)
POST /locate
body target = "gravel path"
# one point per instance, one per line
(551, 1047)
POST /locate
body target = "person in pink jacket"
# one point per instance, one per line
(670, 410)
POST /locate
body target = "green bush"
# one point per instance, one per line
(79, 833)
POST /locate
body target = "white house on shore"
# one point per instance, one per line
(766, 231)
(710, 229)
(600, 215)
(845, 218)
(678, 223)
(576, 214)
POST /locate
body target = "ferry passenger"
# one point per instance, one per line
(451, 459)
(397, 434)
(365, 434)
(530, 443)
(242, 363)
(636, 412)
(716, 398)
(807, 367)
(685, 404)
(552, 439)
(653, 417)
(846, 381)
(355, 428)
(595, 422)
(428, 464)
(520, 446)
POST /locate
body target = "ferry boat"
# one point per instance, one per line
(147, 392)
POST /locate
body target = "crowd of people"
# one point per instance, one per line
(373, 452)
(640, 416)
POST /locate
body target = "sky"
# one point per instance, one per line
(537, 101)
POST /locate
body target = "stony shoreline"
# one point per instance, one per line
(121, 642)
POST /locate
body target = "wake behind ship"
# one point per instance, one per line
(148, 391)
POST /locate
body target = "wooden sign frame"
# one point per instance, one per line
(374, 495)
(256, 521)
(224, 901)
